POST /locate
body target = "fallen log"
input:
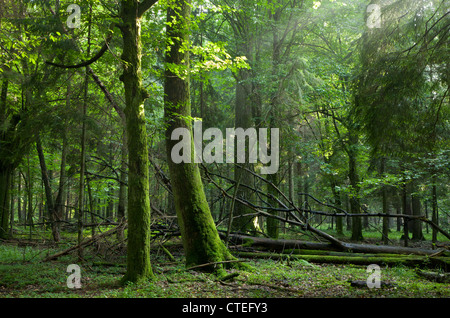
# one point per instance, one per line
(435, 277)
(363, 284)
(282, 245)
(404, 260)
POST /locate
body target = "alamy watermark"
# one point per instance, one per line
(10, 9)
(234, 143)
(74, 279)
(74, 19)
(374, 18)
(374, 279)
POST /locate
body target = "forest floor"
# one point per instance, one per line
(24, 274)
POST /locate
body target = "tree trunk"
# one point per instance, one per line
(121, 208)
(434, 216)
(5, 167)
(406, 208)
(139, 232)
(353, 178)
(11, 219)
(29, 194)
(273, 224)
(243, 119)
(50, 205)
(201, 240)
(337, 203)
(417, 234)
(385, 231)
(59, 201)
(5, 182)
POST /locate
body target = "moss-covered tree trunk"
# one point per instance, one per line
(353, 177)
(121, 207)
(138, 257)
(5, 168)
(201, 241)
(5, 181)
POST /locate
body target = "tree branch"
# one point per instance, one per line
(88, 62)
(144, 5)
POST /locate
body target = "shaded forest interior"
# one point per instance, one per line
(358, 90)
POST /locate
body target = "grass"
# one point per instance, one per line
(22, 274)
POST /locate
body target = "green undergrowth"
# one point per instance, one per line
(23, 274)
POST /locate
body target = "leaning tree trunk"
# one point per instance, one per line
(201, 240)
(138, 249)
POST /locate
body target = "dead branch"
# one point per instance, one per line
(86, 243)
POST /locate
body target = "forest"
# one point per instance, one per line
(224, 149)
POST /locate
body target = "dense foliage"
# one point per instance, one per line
(91, 91)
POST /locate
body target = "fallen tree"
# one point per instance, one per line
(295, 215)
(282, 245)
(357, 259)
(322, 252)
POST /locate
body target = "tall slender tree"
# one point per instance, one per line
(138, 251)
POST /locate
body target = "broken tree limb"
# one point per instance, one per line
(282, 245)
(296, 220)
(97, 56)
(290, 207)
(85, 243)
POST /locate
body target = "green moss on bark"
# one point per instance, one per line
(201, 241)
(138, 257)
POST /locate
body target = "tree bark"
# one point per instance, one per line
(121, 208)
(5, 182)
(434, 216)
(417, 234)
(50, 205)
(139, 232)
(243, 117)
(354, 180)
(5, 166)
(200, 238)
(59, 201)
(384, 198)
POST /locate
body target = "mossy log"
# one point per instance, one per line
(357, 259)
(283, 245)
